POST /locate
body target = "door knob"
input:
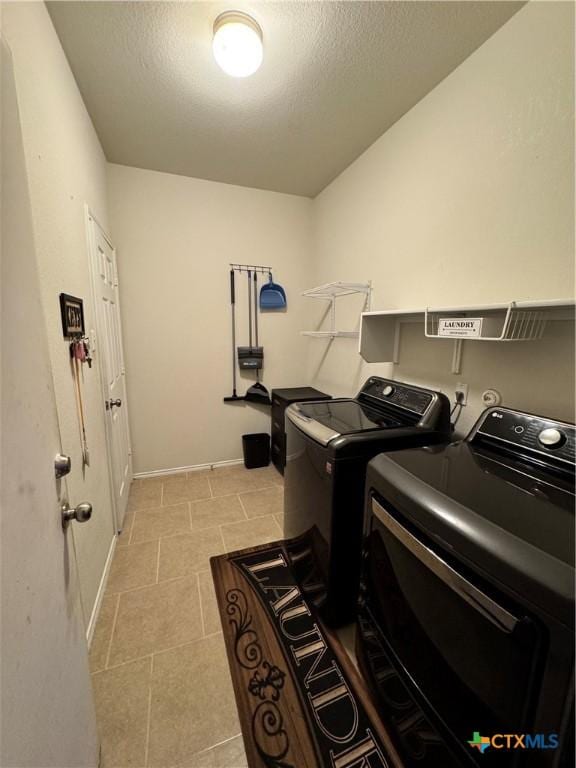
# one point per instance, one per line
(111, 403)
(81, 513)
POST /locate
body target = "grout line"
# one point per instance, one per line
(123, 663)
(147, 745)
(131, 529)
(158, 506)
(242, 505)
(200, 603)
(227, 495)
(183, 533)
(223, 542)
(112, 632)
(147, 586)
(180, 645)
(158, 562)
(218, 744)
(171, 535)
(158, 652)
(119, 592)
(180, 578)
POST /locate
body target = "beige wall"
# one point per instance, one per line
(45, 676)
(468, 198)
(175, 237)
(66, 169)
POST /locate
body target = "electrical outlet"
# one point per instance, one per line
(461, 393)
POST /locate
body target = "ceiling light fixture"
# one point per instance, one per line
(237, 43)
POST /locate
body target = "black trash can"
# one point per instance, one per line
(256, 450)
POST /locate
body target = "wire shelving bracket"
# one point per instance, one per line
(330, 292)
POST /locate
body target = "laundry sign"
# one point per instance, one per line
(460, 327)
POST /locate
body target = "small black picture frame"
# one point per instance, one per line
(72, 312)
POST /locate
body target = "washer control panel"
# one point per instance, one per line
(400, 395)
(535, 433)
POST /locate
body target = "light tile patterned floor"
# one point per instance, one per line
(161, 682)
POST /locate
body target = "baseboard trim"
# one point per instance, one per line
(100, 593)
(192, 468)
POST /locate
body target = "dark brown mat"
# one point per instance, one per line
(300, 699)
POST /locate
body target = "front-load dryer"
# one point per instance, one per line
(466, 611)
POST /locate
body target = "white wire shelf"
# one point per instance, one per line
(512, 321)
(496, 324)
(332, 334)
(331, 292)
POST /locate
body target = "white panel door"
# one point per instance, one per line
(47, 713)
(111, 360)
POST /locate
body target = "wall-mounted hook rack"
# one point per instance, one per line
(251, 268)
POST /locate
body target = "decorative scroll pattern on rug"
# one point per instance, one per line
(300, 699)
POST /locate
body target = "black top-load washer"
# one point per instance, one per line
(329, 444)
(466, 611)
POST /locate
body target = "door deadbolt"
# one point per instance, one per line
(111, 403)
(62, 465)
(81, 513)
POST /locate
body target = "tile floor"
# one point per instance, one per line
(162, 687)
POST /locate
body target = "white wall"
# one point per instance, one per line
(66, 168)
(175, 238)
(468, 198)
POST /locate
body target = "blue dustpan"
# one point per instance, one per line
(272, 295)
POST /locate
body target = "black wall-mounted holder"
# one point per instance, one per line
(250, 358)
(72, 314)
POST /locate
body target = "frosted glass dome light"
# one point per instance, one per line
(237, 43)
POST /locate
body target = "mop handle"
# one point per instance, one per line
(233, 304)
(255, 309)
(250, 305)
(256, 318)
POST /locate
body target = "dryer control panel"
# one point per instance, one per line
(402, 396)
(545, 437)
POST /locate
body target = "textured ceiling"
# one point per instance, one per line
(335, 76)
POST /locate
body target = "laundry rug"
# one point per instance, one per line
(301, 702)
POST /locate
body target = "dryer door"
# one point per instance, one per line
(471, 654)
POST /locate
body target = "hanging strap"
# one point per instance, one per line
(79, 404)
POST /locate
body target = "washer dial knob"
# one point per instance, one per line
(551, 437)
(388, 389)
